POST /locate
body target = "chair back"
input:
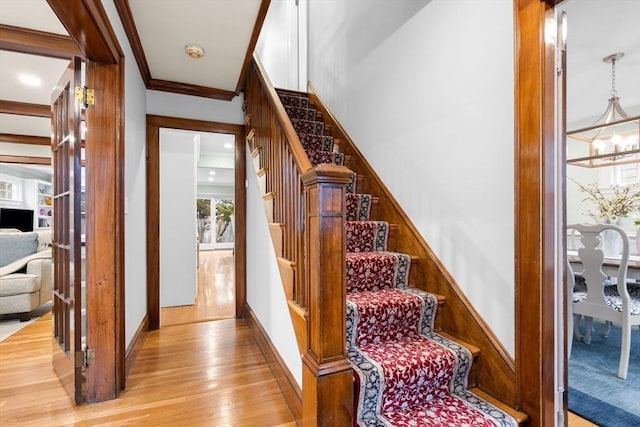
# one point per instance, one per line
(592, 237)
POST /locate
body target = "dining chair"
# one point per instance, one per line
(602, 297)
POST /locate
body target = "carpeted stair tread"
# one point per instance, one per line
(367, 236)
(369, 271)
(519, 417)
(294, 101)
(416, 370)
(300, 112)
(475, 351)
(318, 157)
(316, 142)
(308, 126)
(391, 314)
(450, 410)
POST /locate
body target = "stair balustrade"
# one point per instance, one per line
(307, 206)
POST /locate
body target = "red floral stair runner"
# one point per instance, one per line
(406, 374)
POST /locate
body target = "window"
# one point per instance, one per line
(6, 190)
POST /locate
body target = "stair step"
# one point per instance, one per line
(313, 127)
(367, 236)
(301, 113)
(520, 417)
(475, 351)
(294, 101)
(291, 92)
(320, 157)
(317, 142)
(377, 270)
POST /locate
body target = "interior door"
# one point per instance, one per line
(68, 356)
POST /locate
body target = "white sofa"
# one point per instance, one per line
(26, 273)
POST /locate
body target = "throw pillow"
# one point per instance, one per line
(14, 246)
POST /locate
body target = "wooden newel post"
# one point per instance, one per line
(327, 377)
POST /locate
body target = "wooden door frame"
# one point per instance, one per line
(89, 27)
(154, 123)
(535, 217)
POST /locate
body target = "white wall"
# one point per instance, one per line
(432, 83)
(193, 107)
(177, 218)
(265, 295)
(277, 46)
(135, 223)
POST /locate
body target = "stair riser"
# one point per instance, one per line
(308, 126)
(358, 207)
(367, 271)
(367, 236)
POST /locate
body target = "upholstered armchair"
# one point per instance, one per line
(26, 274)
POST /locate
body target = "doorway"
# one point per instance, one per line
(197, 204)
(155, 126)
(597, 31)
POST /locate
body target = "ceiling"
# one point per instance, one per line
(158, 31)
(227, 30)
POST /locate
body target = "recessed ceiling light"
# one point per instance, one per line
(194, 51)
(228, 145)
(29, 80)
(210, 179)
(212, 172)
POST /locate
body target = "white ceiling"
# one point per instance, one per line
(597, 28)
(223, 28)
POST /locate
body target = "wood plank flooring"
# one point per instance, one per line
(215, 298)
(200, 374)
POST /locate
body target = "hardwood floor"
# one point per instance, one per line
(200, 374)
(576, 421)
(215, 298)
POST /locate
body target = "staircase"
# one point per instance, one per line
(405, 374)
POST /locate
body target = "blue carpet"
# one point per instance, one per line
(595, 392)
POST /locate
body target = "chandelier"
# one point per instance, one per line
(613, 139)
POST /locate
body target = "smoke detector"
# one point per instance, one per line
(194, 51)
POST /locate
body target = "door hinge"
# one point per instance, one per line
(85, 357)
(85, 95)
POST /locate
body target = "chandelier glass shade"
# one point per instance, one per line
(614, 138)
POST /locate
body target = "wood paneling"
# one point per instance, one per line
(88, 25)
(24, 40)
(25, 109)
(154, 123)
(535, 218)
(226, 382)
(494, 369)
(25, 139)
(104, 179)
(240, 244)
(27, 160)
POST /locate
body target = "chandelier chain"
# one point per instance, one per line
(614, 93)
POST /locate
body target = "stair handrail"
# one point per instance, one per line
(302, 161)
(310, 202)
